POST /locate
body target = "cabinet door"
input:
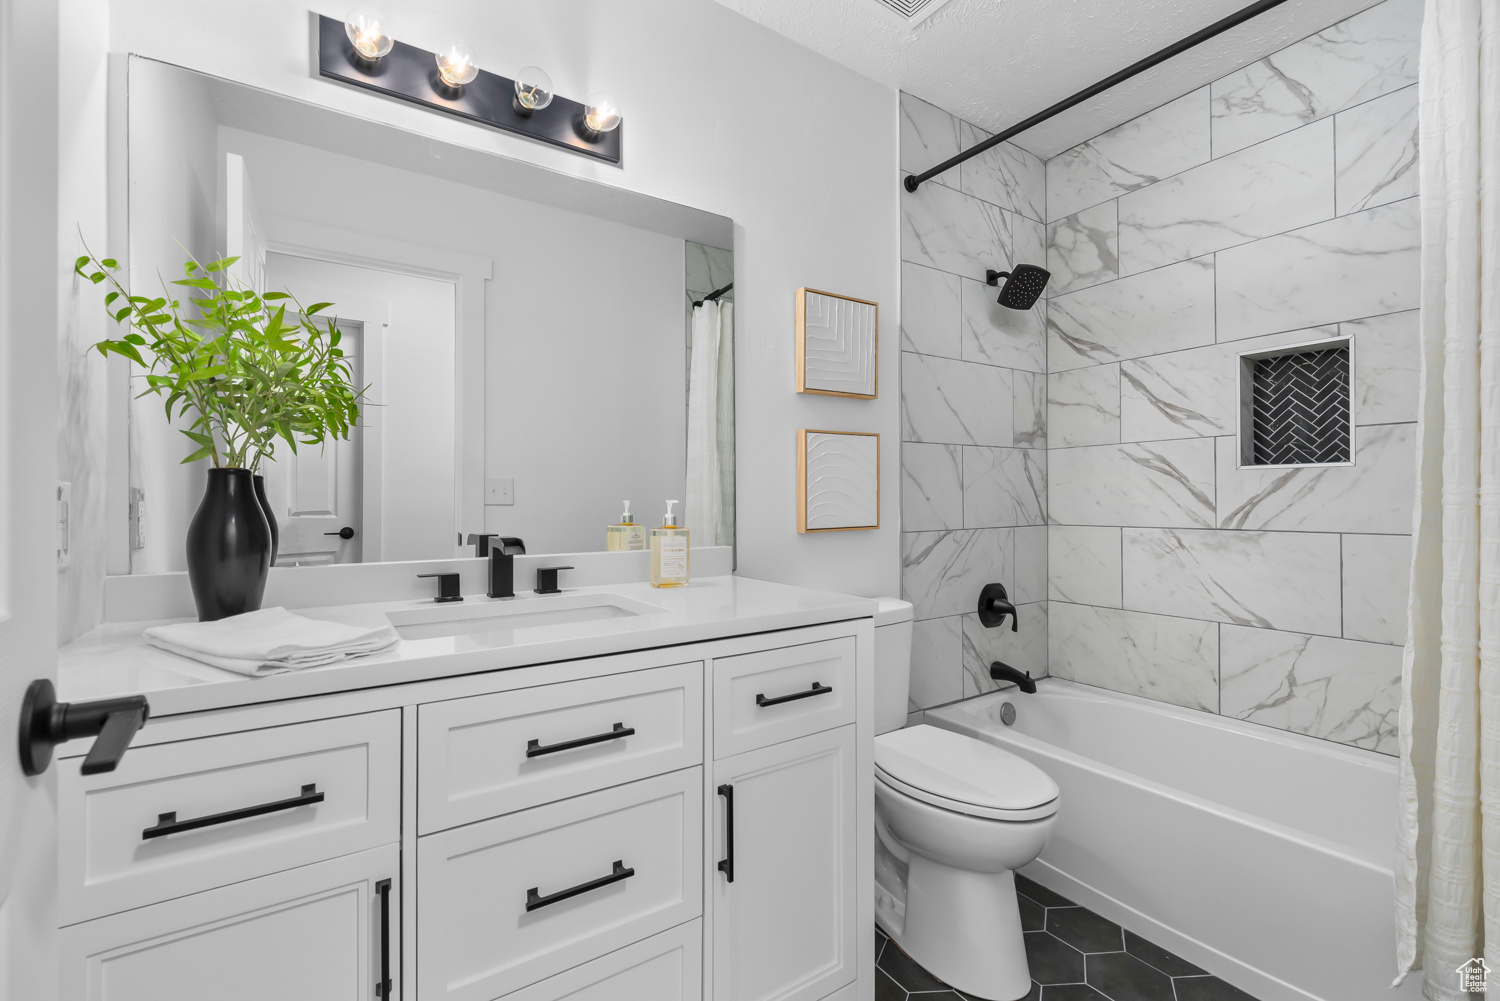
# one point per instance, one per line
(784, 926)
(324, 932)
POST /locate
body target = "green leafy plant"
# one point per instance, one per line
(246, 374)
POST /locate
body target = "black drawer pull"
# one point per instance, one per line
(383, 891)
(535, 900)
(167, 823)
(535, 748)
(726, 864)
(816, 689)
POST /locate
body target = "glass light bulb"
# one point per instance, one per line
(601, 112)
(455, 63)
(533, 88)
(368, 33)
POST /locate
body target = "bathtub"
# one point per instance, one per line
(1264, 857)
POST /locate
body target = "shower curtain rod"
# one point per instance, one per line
(714, 295)
(1177, 47)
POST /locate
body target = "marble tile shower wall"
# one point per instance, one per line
(974, 408)
(1275, 205)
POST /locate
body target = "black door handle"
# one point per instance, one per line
(46, 722)
(346, 533)
(535, 900)
(383, 891)
(534, 747)
(167, 823)
(816, 689)
(726, 864)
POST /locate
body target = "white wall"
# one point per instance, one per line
(174, 191)
(721, 114)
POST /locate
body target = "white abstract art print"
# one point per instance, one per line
(837, 339)
(838, 481)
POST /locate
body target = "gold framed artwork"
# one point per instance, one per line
(838, 481)
(838, 337)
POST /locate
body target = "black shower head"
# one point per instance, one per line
(1023, 285)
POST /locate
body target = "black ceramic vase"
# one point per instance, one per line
(265, 505)
(228, 547)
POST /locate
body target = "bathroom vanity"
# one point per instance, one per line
(668, 801)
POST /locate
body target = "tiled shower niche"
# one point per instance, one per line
(1295, 405)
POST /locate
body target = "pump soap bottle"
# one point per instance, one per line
(669, 552)
(627, 536)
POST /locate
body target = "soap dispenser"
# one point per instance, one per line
(626, 536)
(669, 552)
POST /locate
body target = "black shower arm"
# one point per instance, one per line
(1176, 48)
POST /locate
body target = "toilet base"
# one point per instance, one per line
(964, 927)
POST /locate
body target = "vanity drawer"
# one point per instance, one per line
(488, 755)
(186, 816)
(665, 967)
(597, 872)
(769, 696)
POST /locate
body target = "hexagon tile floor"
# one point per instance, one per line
(1074, 955)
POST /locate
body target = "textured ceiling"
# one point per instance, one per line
(994, 62)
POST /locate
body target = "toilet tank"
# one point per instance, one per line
(892, 663)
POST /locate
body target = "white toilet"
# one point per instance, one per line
(954, 817)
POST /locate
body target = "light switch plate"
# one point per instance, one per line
(500, 490)
(64, 525)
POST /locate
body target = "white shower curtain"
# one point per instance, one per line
(710, 438)
(1448, 857)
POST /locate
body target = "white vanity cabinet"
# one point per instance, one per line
(557, 831)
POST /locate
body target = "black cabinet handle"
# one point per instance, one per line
(383, 891)
(167, 823)
(816, 689)
(535, 900)
(726, 864)
(534, 748)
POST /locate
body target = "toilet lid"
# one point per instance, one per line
(962, 770)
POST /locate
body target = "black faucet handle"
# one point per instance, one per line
(481, 542)
(994, 606)
(546, 580)
(447, 585)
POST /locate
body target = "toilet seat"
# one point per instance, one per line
(963, 775)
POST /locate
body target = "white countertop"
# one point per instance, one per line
(115, 658)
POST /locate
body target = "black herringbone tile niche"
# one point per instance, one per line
(1300, 408)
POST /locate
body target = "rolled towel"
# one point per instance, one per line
(271, 641)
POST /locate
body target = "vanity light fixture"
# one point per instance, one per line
(360, 53)
(533, 90)
(455, 63)
(601, 113)
(368, 33)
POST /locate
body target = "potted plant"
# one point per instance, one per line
(245, 377)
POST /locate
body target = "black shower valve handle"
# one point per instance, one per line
(994, 606)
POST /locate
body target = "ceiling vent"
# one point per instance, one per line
(910, 12)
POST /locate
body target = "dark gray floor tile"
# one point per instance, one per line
(880, 941)
(907, 972)
(1209, 989)
(1052, 960)
(1084, 930)
(1119, 976)
(1032, 914)
(887, 989)
(1072, 992)
(1035, 994)
(1158, 957)
(1036, 891)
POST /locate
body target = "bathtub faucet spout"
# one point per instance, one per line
(1004, 672)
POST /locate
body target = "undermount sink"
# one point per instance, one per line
(493, 622)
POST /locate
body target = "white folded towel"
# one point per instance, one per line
(271, 641)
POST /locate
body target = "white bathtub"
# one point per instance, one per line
(1262, 856)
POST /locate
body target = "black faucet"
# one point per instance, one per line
(502, 573)
(546, 580)
(448, 584)
(481, 543)
(1004, 672)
